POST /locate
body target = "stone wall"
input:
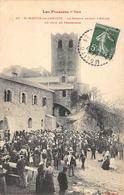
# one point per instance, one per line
(64, 101)
(18, 113)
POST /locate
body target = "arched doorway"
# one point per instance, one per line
(60, 110)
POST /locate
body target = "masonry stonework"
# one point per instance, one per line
(18, 113)
(64, 101)
(64, 54)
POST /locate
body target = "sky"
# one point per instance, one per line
(27, 42)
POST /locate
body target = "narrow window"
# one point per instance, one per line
(44, 101)
(63, 79)
(70, 43)
(23, 98)
(34, 99)
(30, 123)
(7, 96)
(59, 43)
(64, 93)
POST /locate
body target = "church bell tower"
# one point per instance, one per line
(64, 54)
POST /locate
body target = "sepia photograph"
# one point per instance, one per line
(61, 97)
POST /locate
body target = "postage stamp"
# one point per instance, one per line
(104, 41)
(83, 48)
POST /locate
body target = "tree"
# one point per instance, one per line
(95, 94)
(108, 118)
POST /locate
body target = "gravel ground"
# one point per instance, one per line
(87, 182)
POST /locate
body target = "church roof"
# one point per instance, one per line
(49, 79)
(26, 82)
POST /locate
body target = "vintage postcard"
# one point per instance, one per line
(62, 97)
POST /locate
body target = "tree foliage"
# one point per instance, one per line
(108, 118)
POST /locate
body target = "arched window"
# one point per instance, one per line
(24, 98)
(44, 101)
(34, 99)
(59, 43)
(70, 43)
(7, 96)
(63, 79)
(30, 123)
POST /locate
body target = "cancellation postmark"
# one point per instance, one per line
(97, 47)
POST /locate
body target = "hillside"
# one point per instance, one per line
(97, 117)
(19, 71)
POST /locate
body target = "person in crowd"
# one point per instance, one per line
(49, 156)
(106, 163)
(120, 151)
(44, 156)
(53, 147)
(63, 182)
(14, 156)
(49, 180)
(17, 144)
(24, 152)
(85, 147)
(71, 164)
(21, 171)
(36, 157)
(3, 186)
(31, 158)
(93, 151)
(82, 158)
(66, 158)
(40, 179)
(58, 160)
(114, 149)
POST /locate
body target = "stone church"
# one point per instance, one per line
(64, 73)
(30, 103)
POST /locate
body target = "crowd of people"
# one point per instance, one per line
(54, 150)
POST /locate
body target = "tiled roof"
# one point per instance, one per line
(49, 79)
